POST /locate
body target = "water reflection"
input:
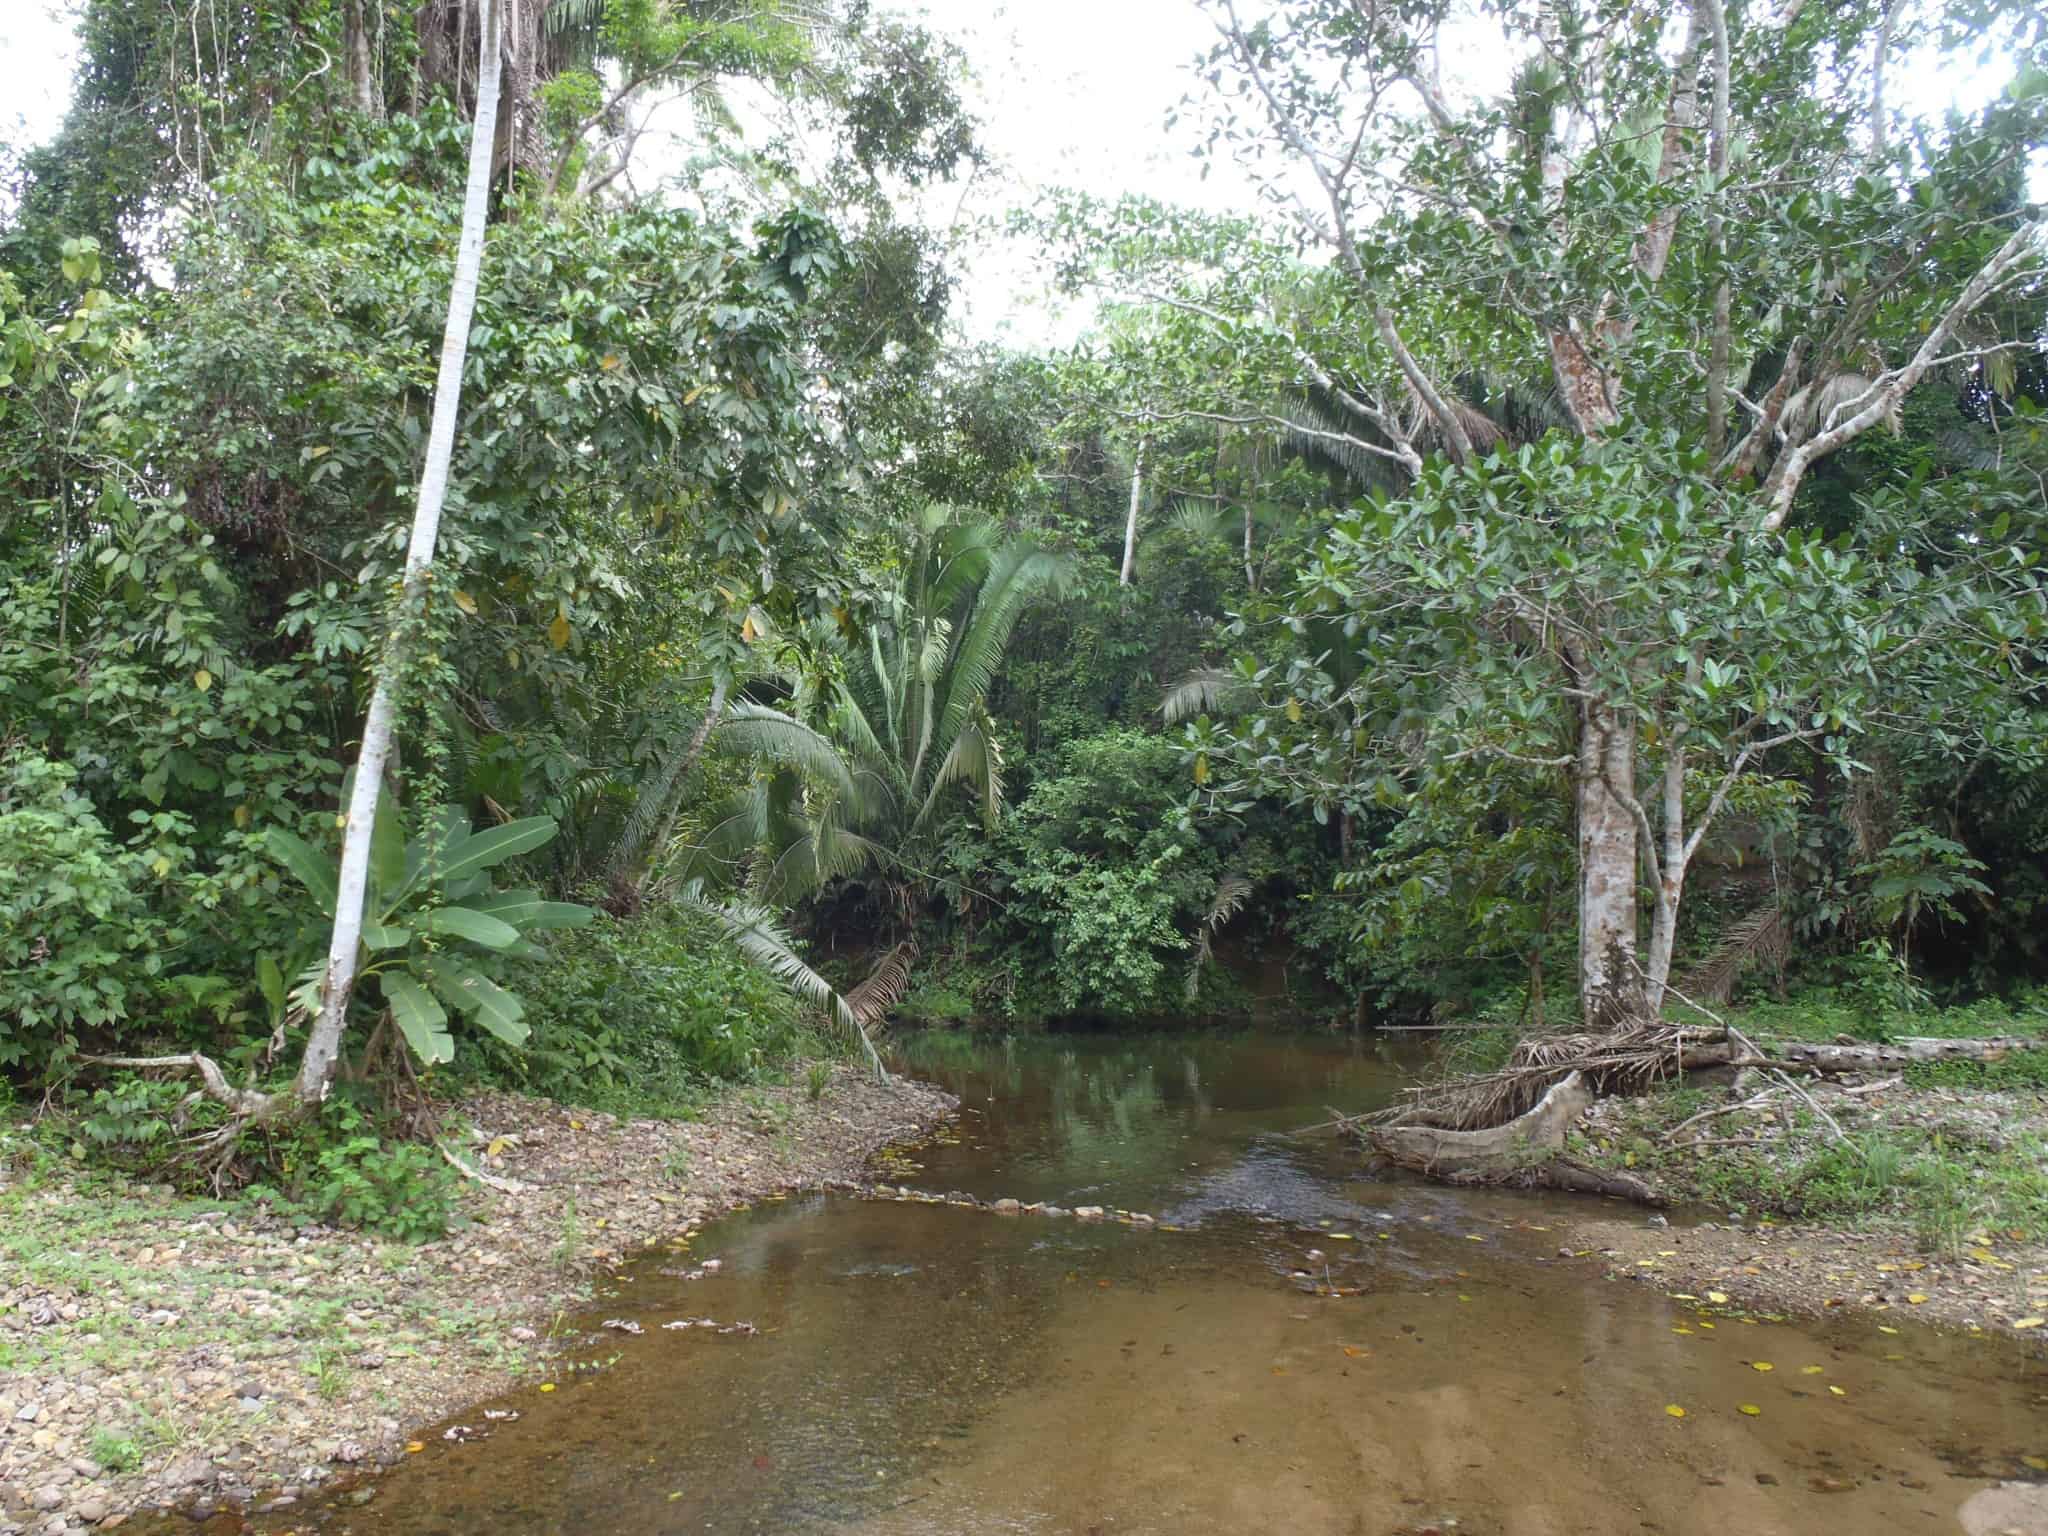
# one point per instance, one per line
(922, 1369)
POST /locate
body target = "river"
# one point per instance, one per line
(921, 1369)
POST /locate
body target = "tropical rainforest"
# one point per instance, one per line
(481, 598)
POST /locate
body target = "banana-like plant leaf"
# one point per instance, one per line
(315, 871)
(467, 856)
(380, 936)
(475, 994)
(387, 853)
(422, 1021)
(270, 979)
(477, 927)
(526, 911)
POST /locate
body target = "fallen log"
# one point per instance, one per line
(1901, 1053)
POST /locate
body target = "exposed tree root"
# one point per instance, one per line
(249, 1105)
(1508, 1127)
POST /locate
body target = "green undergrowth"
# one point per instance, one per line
(1942, 1182)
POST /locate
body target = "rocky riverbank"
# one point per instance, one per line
(159, 1352)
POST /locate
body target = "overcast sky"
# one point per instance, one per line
(1073, 93)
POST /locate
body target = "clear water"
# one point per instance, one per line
(923, 1369)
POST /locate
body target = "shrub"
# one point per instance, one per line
(79, 946)
(338, 1169)
(634, 1014)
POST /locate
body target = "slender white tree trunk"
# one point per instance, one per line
(323, 1046)
(1610, 987)
(1131, 522)
(1671, 865)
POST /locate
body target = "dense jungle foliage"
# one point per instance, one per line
(1597, 506)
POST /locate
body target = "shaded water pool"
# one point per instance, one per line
(923, 1369)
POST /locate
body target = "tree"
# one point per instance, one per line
(882, 736)
(1702, 260)
(323, 1043)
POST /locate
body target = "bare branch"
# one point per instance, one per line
(1884, 394)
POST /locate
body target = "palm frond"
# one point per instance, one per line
(1018, 573)
(975, 758)
(1204, 691)
(1232, 891)
(760, 937)
(1760, 938)
(758, 731)
(883, 987)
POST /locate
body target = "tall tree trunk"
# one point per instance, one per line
(1610, 985)
(1670, 883)
(323, 1045)
(360, 43)
(1131, 522)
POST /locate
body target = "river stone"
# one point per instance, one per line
(1088, 1213)
(1007, 1207)
(92, 1509)
(2020, 1507)
(1055, 1210)
(188, 1472)
(48, 1497)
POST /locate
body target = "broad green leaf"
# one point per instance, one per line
(378, 936)
(387, 852)
(470, 992)
(477, 927)
(526, 910)
(315, 871)
(422, 1021)
(465, 856)
(270, 979)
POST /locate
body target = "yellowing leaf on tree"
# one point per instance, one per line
(464, 601)
(1294, 711)
(1674, 1410)
(558, 632)
(691, 397)
(202, 679)
(1201, 767)
(609, 361)
(1749, 1408)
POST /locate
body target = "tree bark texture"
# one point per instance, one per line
(1131, 521)
(1610, 985)
(323, 1045)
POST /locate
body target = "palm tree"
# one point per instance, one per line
(902, 735)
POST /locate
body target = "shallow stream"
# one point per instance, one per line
(924, 1369)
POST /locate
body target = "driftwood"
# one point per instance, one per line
(1508, 1127)
(1525, 1152)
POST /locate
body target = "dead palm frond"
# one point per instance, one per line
(1763, 938)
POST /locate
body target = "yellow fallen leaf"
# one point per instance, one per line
(1761, 1365)
(1811, 1370)
(1708, 1326)
(1341, 1237)
(1355, 1352)
(1916, 1298)
(1463, 1297)
(1474, 1237)
(1838, 1391)
(1884, 1328)
(547, 1386)
(498, 1144)
(2038, 1463)
(2030, 1322)
(1681, 1328)
(414, 1447)
(1718, 1298)
(1674, 1410)
(1749, 1408)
